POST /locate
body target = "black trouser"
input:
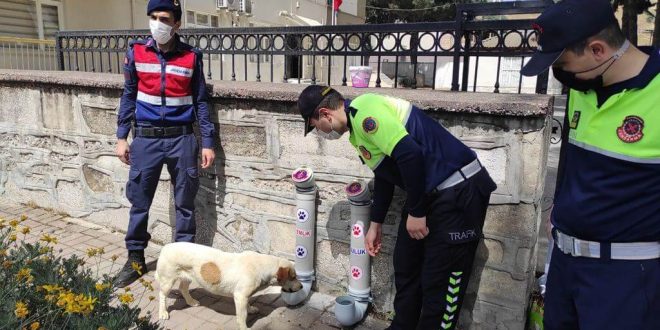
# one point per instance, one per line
(431, 275)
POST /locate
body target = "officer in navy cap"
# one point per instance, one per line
(164, 95)
(605, 267)
(448, 192)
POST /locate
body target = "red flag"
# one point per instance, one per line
(336, 4)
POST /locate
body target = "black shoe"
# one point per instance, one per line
(131, 272)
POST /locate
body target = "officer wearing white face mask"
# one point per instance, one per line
(164, 94)
(447, 195)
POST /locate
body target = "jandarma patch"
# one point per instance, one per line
(365, 153)
(370, 125)
(631, 129)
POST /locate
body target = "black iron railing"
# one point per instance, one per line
(324, 54)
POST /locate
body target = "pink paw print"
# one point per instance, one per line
(357, 231)
(356, 273)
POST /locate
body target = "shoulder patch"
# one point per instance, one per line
(370, 125)
(138, 42)
(631, 130)
(365, 153)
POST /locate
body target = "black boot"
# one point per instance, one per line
(129, 273)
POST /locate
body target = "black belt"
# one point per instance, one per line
(168, 131)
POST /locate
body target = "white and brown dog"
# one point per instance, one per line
(237, 275)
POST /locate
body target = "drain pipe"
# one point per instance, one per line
(303, 178)
(350, 309)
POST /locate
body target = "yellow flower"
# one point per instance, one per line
(91, 252)
(52, 288)
(13, 223)
(147, 284)
(21, 310)
(136, 267)
(66, 300)
(126, 298)
(6, 264)
(25, 274)
(127, 289)
(35, 326)
(102, 286)
(114, 257)
(25, 230)
(23, 217)
(45, 249)
(3, 253)
(12, 238)
(49, 239)
(85, 304)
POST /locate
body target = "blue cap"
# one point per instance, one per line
(310, 98)
(564, 24)
(165, 5)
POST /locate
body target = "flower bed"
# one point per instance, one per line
(41, 290)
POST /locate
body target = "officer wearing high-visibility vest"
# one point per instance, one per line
(447, 196)
(605, 267)
(164, 94)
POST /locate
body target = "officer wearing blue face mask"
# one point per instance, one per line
(164, 95)
(605, 267)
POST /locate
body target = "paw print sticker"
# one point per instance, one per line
(301, 252)
(358, 229)
(356, 272)
(302, 215)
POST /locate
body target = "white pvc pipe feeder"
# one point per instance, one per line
(350, 309)
(303, 178)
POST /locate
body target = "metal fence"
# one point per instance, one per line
(465, 54)
(27, 54)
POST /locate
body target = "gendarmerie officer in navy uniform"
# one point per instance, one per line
(164, 94)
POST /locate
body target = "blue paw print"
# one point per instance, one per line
(301, 252)
(302, 215)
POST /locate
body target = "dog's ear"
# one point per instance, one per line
(282, 274)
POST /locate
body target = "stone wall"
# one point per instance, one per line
(57, 150)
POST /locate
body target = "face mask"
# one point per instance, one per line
(333, 135)
(569, 79)
(161, 32)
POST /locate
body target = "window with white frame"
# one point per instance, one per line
(190, 18)
(51, 20)
(201, 20)
(30, 19)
